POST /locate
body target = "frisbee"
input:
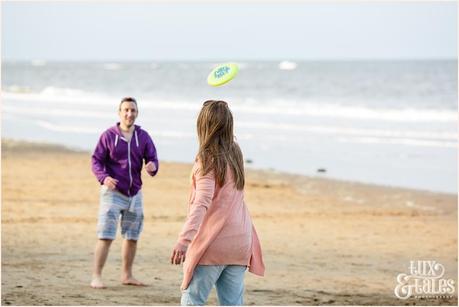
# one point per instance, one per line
(222, 74)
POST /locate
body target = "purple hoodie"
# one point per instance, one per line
(117, 158)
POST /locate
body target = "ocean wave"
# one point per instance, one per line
(112, 66)
(54, 112)
(97, 130)
(339, 130)
(66, 128)
(53, 94)
(62, 91)
(402, 141)
(274, 107)
(17, 89)
(287, 65)
(248, 130)
(355, 112)
(75, 97)
(38, 63)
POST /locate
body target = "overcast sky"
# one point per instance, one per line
(205, 31)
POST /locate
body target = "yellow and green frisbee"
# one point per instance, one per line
(222, 74)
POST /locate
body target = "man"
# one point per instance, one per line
(117, 163)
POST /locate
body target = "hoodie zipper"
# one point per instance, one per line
(129, 163)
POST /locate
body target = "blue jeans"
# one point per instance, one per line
(228, 279)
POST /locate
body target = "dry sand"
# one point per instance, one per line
(325, 242)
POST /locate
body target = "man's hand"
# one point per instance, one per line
(110, 182)
(150, 167)
(178, 254)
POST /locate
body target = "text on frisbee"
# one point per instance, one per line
(222, 74)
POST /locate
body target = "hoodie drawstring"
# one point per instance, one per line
(136, 138)
(116, 140)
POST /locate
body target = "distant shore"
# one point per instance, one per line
(325, 242)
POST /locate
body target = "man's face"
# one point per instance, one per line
(128, 113)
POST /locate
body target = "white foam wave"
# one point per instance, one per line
(338, 130)
(172, 134)
(274, 107)
(8, 109)
(169, 134)
(344, 134)
(354, 112)
(112, 66)
(409, 142)
(18, 89)
(51, 91)
(79, 98)
(287, 65)
(38, 63)
(97, 130)
(66, 128)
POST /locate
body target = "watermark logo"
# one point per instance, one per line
(425, 280)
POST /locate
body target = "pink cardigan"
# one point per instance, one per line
(218, 229)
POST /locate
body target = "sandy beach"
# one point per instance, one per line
(325, 242)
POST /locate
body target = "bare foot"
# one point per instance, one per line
(97, 283)
(132, 282)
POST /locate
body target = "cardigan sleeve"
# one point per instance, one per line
(205, 189)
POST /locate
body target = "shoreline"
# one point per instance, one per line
(20, 146)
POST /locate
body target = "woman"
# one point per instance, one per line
(218, 238)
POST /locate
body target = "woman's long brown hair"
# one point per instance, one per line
(217, 147)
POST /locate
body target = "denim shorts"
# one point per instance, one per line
(113, 204)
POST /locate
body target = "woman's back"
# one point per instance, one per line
(233, 243)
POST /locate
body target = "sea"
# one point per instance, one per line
(391, 123)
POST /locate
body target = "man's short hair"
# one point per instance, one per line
(129, 99)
